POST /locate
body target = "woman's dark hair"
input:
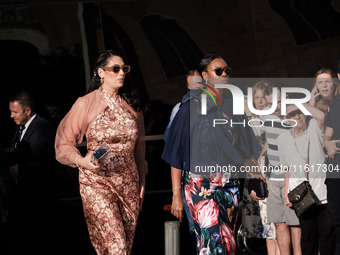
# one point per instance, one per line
(125, 92)
(206, 60)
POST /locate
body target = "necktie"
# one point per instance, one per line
(17, 141)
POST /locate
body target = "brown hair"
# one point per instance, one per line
(334, 77)
(322, 104)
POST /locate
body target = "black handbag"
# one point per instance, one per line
(303, 198)
(259, 186)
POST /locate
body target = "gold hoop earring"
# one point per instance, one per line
(101, 80)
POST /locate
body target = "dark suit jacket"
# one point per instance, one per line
(34, 206)
(37, 164)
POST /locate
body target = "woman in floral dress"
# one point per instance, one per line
(194, 144)
(111, 192)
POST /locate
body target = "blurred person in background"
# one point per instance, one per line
(331, 141)
(193, 78)
(33, 168)
(254, 212)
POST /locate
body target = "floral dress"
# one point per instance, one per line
(212, 198)
(110, 195)
(213, 204)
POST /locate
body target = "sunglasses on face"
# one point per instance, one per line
(294, 113)
(117, 68)
(219, 71)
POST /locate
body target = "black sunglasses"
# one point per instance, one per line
(219, 71)
(116, 68)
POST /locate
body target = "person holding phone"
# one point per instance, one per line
(324, 86)
(112, 192)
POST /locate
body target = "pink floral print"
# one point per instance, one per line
(110, 195)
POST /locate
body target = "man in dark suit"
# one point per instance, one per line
(33, 168)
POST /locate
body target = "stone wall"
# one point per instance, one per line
(254, 39)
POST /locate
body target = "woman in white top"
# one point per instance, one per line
(300, 150)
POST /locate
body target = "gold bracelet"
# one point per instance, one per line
(76, 160)
(176, 188)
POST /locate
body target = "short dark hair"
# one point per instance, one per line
(191, 73)
(25, 99)
(206, 60)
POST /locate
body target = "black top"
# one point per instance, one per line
(332, 119)
(193, 141)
